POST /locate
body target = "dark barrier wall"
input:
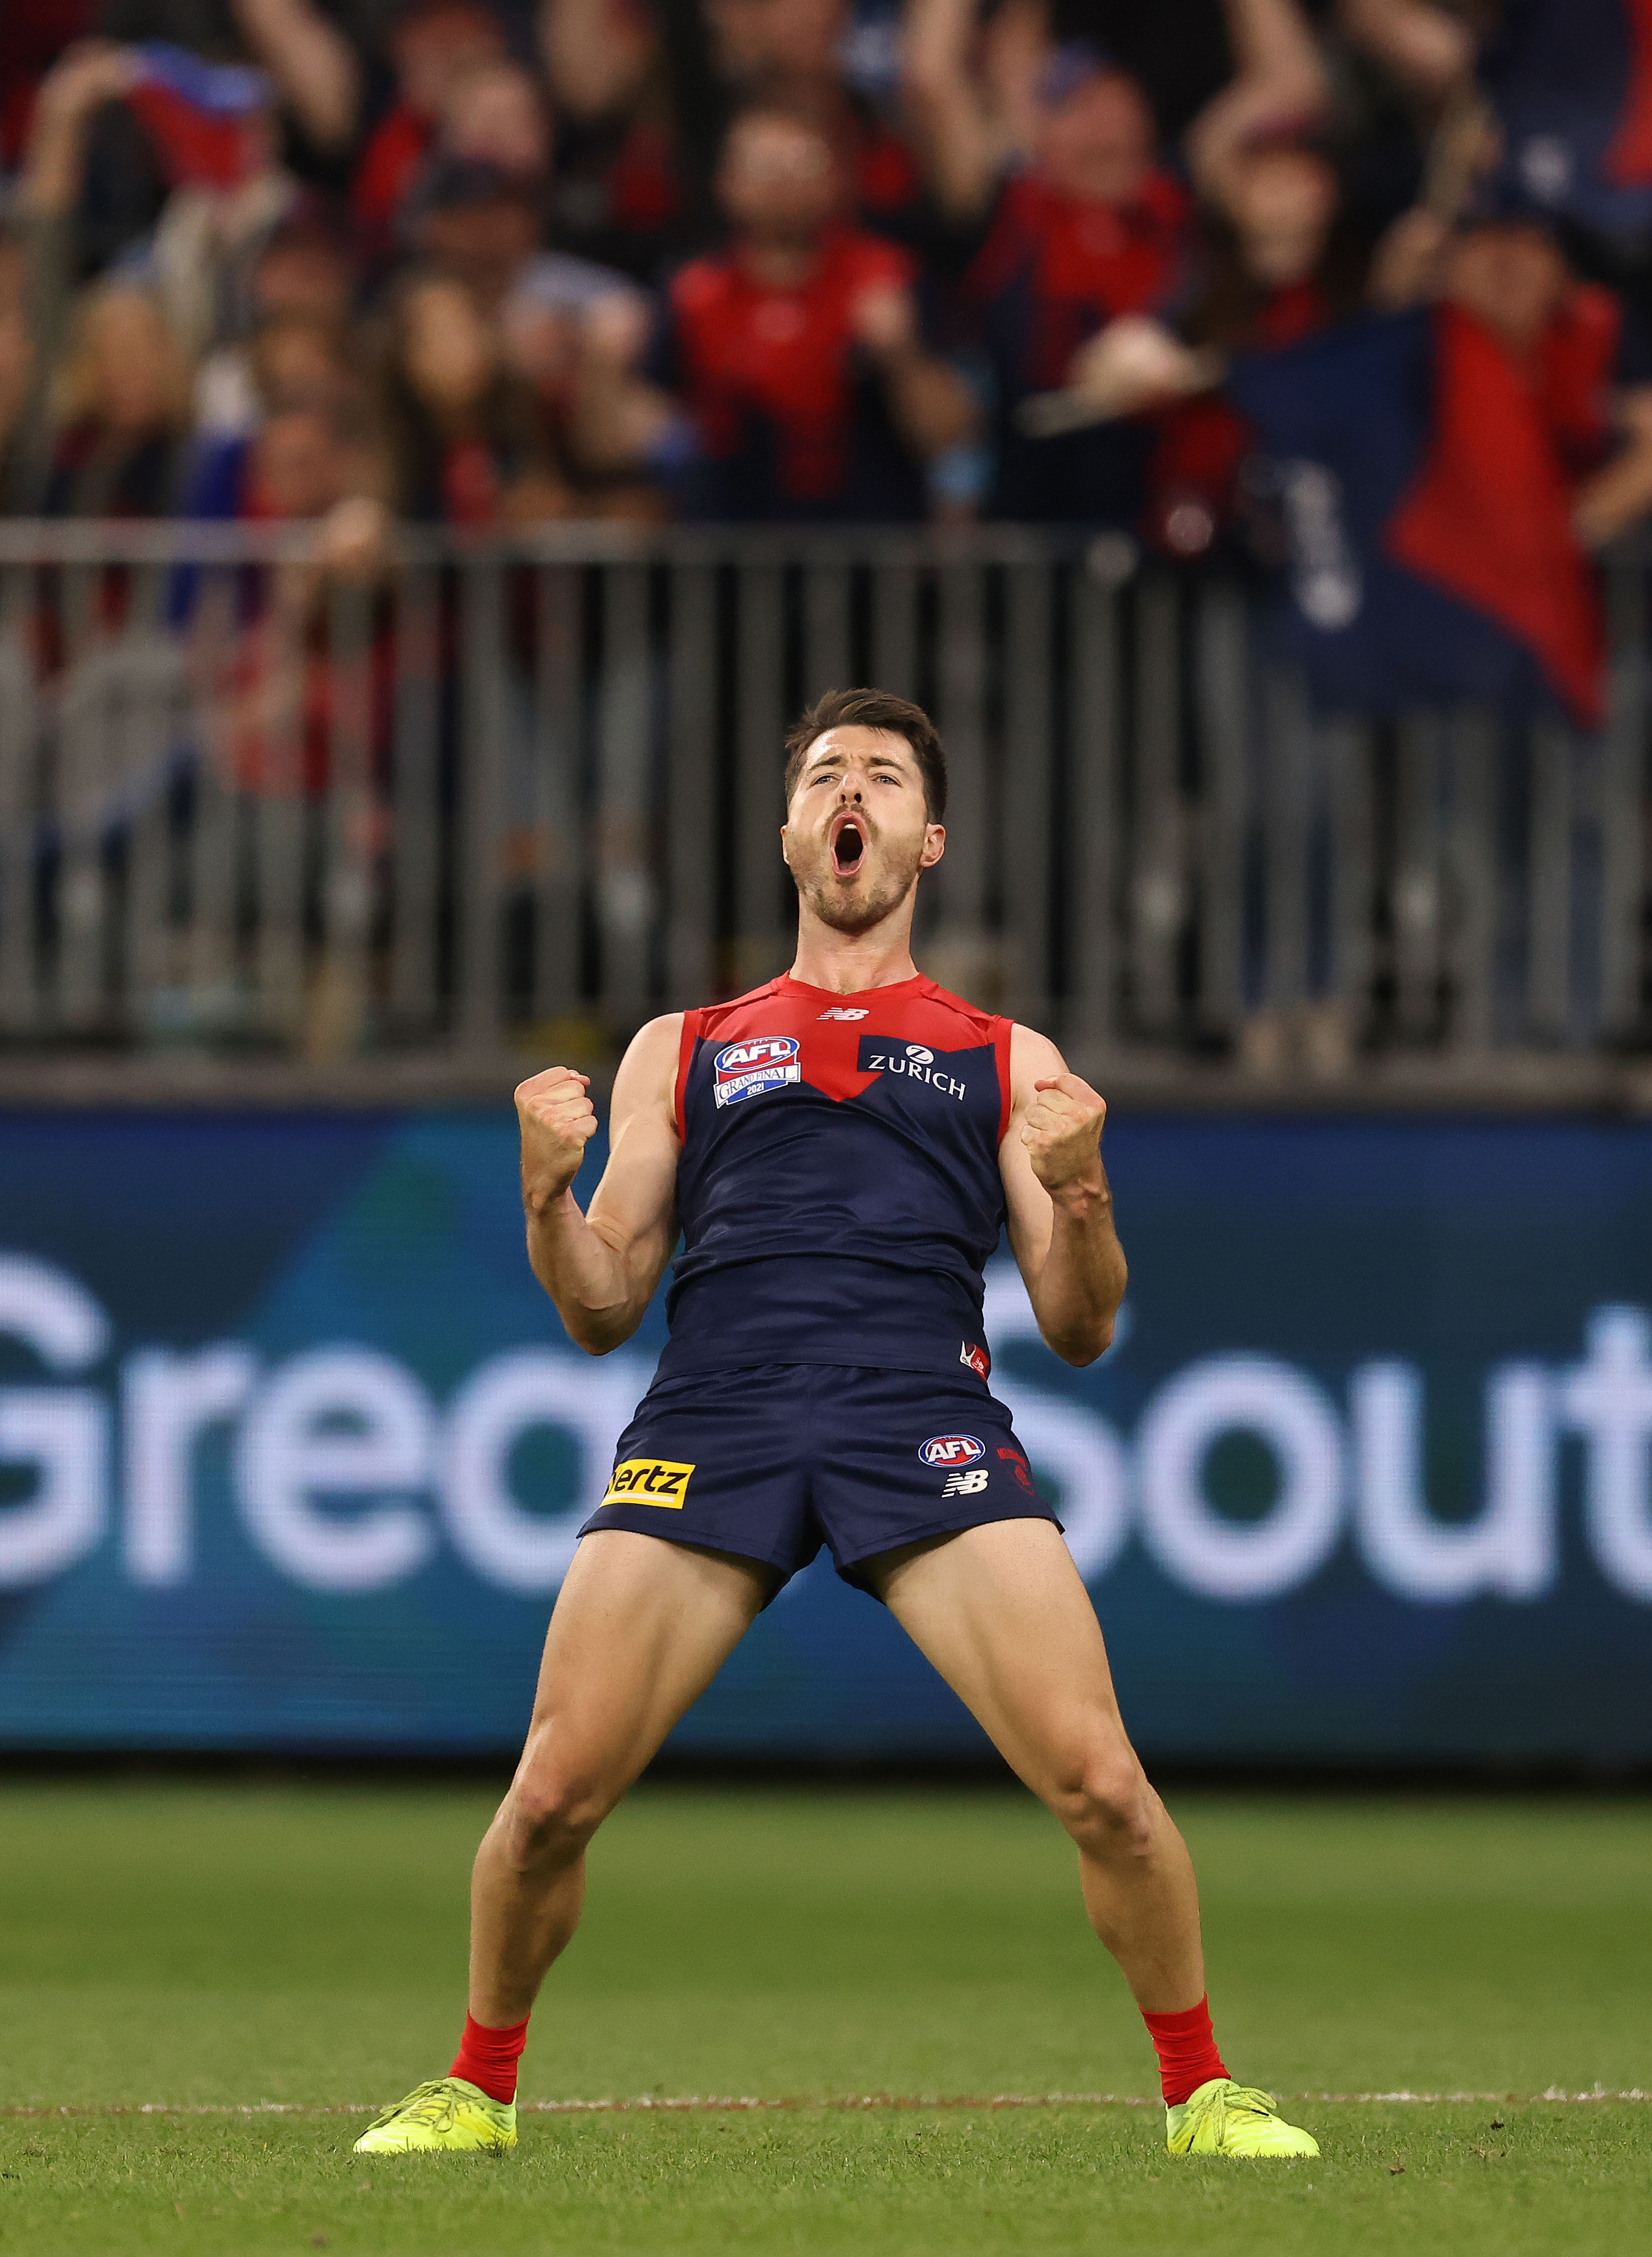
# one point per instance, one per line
(292, 1449)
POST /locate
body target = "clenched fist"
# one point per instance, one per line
(1063, 1134)
(558, 1120)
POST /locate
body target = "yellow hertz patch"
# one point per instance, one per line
(647, 1481)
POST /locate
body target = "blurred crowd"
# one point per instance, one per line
(1367, 280)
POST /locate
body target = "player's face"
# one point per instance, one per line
(856, 833)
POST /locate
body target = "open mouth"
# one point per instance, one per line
(848, 844)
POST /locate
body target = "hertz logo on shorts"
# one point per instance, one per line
(647, 1481)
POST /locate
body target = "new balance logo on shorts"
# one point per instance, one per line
(648, 1481)
(970, 1484)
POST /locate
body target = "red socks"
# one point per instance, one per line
(1186, 2046)
(488, 2058)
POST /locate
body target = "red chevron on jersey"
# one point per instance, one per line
(838, 1186)
(836, 1040)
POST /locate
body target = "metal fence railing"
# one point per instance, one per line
(512, 796)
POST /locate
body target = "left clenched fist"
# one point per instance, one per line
(1062, 1133)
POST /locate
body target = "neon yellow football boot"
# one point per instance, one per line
(1225, 2119)
(447, 2113)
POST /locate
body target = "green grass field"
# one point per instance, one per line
(215, 1948)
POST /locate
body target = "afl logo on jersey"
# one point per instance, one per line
(750, 1069)
(952, 1450)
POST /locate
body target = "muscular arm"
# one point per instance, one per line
(601, 1268)
(1060, 1205)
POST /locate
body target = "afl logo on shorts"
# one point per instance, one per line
(749, 1069)
(952, 1450)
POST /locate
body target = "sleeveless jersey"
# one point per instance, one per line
(838, 1188)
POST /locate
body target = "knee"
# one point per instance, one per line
(554, 1807)
(1103, 1798)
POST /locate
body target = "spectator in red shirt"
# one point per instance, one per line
(1559, 352)
(1075, 225)
(806, 392)
(1090, 230)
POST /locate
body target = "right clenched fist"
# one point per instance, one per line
(558, 1120)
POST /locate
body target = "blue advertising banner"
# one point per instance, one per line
(293, 1449)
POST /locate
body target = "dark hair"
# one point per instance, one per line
(873, 709)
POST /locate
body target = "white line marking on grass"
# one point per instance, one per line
(713, 2105)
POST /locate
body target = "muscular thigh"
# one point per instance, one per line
(1001, 1613)
(639, 1628)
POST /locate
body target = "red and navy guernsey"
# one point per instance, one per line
(838, 1189)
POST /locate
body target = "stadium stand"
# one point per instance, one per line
(1261, 390)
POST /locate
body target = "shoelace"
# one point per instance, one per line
(431, 2103)
(1246, 2100)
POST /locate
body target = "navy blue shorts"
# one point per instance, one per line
(773, 1461)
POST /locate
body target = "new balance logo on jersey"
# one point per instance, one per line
(838, 1012)
(965, 1484)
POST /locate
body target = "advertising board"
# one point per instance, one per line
(293, 1449)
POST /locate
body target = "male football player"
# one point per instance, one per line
(837, 1152)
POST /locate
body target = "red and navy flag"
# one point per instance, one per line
(206, 119)
(1571, 84)
(1427, 483)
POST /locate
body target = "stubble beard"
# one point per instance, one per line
(826, 898)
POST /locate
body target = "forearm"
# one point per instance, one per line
(586, 1279)
(946, 105)
(1428, 49)
(1081, 1282)
(309, 60)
